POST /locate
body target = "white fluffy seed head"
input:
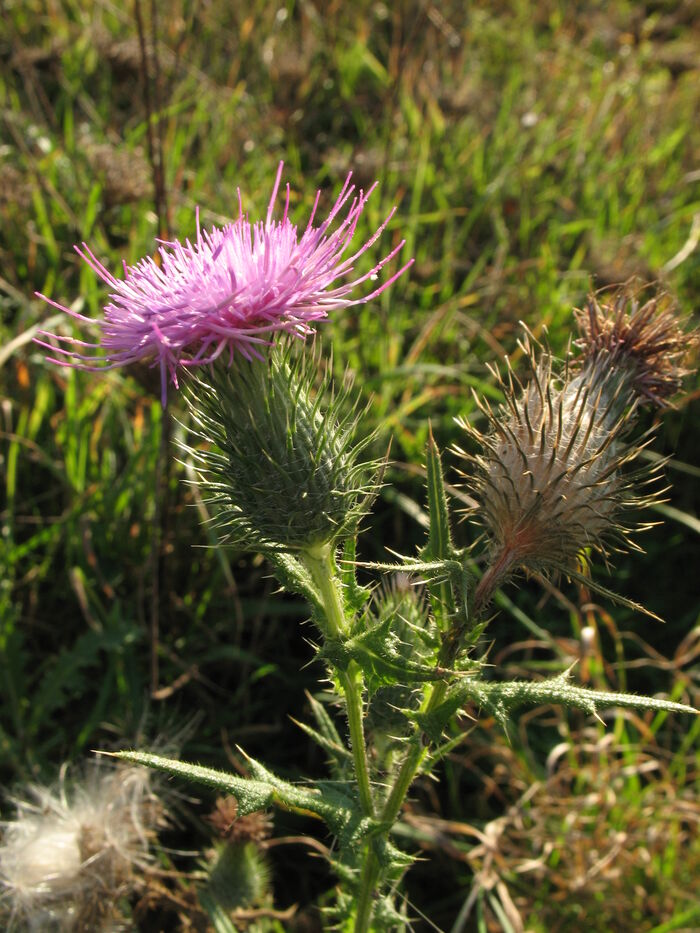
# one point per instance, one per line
(70, 853)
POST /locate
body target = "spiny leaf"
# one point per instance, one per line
(376, 650)
(434, 722)
(251, 795)
(355, 596)
(326, 737)
(502, 698)
(437, 754)
(323, 720)
(451, 568)
(609, 594)
(258, 792)
(439, 546)
(296, 578)
(414, 565)
(439, 538)
(337, 752)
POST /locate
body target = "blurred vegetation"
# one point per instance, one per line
(534, 150)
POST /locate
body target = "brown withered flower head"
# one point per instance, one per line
(255, 827)
(645, 340)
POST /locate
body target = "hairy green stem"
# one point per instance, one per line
(320, 565)
(368, 885)
(412, 761)
(352, 686)
(370, 877)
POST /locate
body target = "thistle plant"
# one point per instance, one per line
(289, 474)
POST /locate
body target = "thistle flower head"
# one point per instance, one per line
(550, 480)
(229, 291)
(286, 470)
(642, 342)
(70, 853)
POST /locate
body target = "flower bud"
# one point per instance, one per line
(285, 469)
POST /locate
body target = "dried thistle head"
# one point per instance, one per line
(71, 853)
(550, 479)
(643, 341)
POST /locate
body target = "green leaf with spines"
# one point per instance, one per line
(332, 802)
(439, 545)
(261, 791)
(295, 578)
(614, 597)
(355, 596)
(436, 755)
(338, 753)
(348, 867)
(327, 738)
(433, 723)
(324, 722)
(344, 816)
(450, 569)
(499, 699)
(376, 651)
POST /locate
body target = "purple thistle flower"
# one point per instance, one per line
(228, 292)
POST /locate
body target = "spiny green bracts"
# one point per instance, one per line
(283, 465)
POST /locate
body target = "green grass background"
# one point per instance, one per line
(534, 151)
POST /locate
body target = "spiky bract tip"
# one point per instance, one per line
(283, 464)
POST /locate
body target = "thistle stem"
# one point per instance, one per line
(492, 578)
(368, 885)
(352, 686)
(318, 563)
(320, 566)
(412, 761)
(371, 869)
